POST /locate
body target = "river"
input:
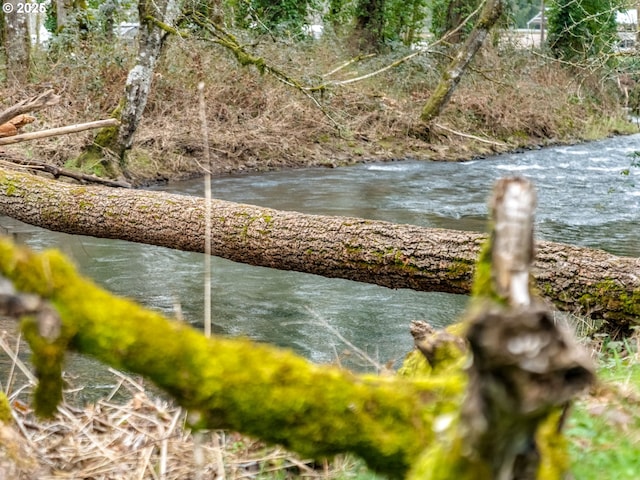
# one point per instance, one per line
(583, 199)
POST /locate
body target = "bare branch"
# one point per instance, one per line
(45, 99)
(52, 132)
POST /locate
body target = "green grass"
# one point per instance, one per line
(604, 427)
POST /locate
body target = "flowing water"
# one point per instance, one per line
(583, 199)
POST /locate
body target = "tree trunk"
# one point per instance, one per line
(453, 74)
(17, 44)
(580, 280)
(150, 42)
(63, 9)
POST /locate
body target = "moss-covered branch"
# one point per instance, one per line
(236, 384)
(494, 414)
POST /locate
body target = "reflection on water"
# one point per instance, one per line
(583, 199)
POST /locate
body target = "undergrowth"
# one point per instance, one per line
(604, 427)
(508, 99)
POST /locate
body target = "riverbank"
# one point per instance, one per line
(509, 100)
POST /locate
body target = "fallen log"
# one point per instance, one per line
(580, 280)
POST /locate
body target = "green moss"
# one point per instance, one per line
(446, 460)
(553, 448)
(619, 303)
(10, 187)
(93, 159)
(48, 358)
(255, 389)
(353, 249)
(414, 365)
(450, 457)
(5, 409)
(459, 269)
(483, 285)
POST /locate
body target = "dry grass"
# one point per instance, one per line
(509, 97)
(144, 437)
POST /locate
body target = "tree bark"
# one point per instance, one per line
(580, 280)
(150, 42)
(453, 74)
(17, 44)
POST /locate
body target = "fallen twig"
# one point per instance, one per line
(63, 172)
(52, 132)
(468, 135)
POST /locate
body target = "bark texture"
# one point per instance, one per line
(17, 44)
(453, 74)
(577, 279)
(150, 42)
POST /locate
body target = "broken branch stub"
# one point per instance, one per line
(512, 209)
(525, 366)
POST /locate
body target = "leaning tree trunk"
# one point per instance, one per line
(150, 42)
(453, 74)
(577, 279)
(17, 44)
(156, 19)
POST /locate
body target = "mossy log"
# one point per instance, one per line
(580, 280)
